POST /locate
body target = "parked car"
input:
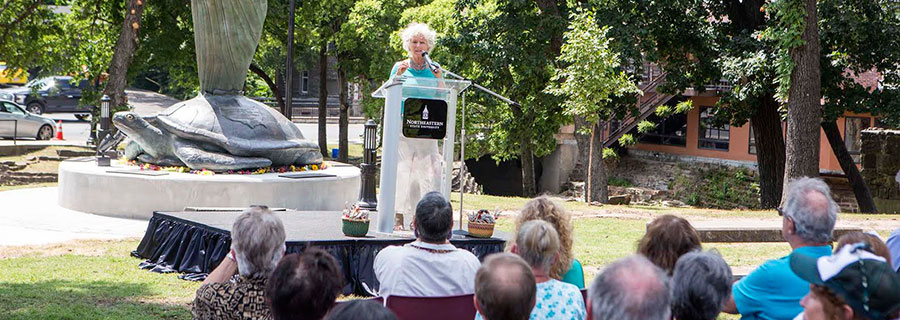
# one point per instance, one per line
(12, 76)
(53, 95)
(16, 122)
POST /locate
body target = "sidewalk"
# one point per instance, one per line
(32, 217)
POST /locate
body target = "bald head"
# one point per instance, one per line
(813, 211)
(632, 288)
(504, 288)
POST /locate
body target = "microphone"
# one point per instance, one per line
(431, 65)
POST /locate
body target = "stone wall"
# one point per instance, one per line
(880, 163)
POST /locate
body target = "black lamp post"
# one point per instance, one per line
(367, 198)
(103, 160)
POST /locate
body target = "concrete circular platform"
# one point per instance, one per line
(124, 191)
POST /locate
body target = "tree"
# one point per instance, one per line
(590, 78)
(509, 47)
(799, 36)
(124, 52)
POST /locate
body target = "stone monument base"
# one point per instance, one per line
(125, 191)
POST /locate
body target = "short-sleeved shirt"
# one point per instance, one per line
(556, 300)
(773, 291)
(241, 298)
(421, 269)
(575, 275)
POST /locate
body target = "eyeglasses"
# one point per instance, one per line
(261, 206)
(780, 211)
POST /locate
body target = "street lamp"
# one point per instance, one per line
(367, 198)
(103, 160)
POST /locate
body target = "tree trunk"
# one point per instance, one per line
(344, 120)
(860, 189)
(596, 183)
(804, 106)
(769, 138)
(272, 85)
(125, 48)
(584, 142)
(323, 98)
(527, 157)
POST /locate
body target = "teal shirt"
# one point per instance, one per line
(413, 73)
(575, 275)
(773, 291)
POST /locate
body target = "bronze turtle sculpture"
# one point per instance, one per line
(219, 133)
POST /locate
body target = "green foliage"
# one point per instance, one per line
(663, 111)
(592, 75)
(645, 126)
(717, 187)
(610, 154)
(627, 140)
(786, 33)
(620, 182)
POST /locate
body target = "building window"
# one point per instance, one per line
(304, 82)
(712, 136)
(671, 131)
(853, 126)
(752, 147)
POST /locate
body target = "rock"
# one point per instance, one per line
(75, 153)
(31, 158)
(673, 203)
(619, 200)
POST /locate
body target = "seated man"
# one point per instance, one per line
(893, 241)
(504, 288)
(632, 288)
(430, 266)
(257, 243)
(773, 291)
(304, 286)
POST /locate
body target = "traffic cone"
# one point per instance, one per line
(59, 133)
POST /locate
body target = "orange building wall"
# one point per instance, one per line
(739, 144)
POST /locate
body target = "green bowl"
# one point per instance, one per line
(355, 228)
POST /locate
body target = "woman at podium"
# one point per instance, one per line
(420, 163)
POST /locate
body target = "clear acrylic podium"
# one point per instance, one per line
(395, 91)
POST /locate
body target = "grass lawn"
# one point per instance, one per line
(99, 280)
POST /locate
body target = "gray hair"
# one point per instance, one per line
(700, 285)
(434, 218)
(505, 287)
(418, 29)
(813, 216)
(257, 238)
(537, 242)
(632, 288)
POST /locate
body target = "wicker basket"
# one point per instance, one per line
(481, 230)
(355, 228)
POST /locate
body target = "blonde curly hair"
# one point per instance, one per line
(542, 208)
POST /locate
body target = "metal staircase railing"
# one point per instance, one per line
(646, 106)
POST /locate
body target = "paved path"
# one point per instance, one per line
(32, 217)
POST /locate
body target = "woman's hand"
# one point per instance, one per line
(438, 73)
(402, 67)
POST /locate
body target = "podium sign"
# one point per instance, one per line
(438, 96)
(424, 118)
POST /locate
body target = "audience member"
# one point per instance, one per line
(667, 238)
(701, 284)
(632, 288)
(893, 241)
(853, 284)
(566, 268)
(304, 286)
(430, 266)
(360, 309)
(772, 291)
(257, 243)
(873, 240)
(537, 243)
(504, 288)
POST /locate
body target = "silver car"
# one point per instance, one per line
(15, 121)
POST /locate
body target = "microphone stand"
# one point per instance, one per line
(462, 141)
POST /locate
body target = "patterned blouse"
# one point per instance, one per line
(240, 298)
(556, 300)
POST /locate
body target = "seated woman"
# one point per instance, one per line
(700, 286)
(236, 288)
(566, 268)
(538, 244)
(875, 244)
(667, 239)
(360, 309)
(304, 286)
